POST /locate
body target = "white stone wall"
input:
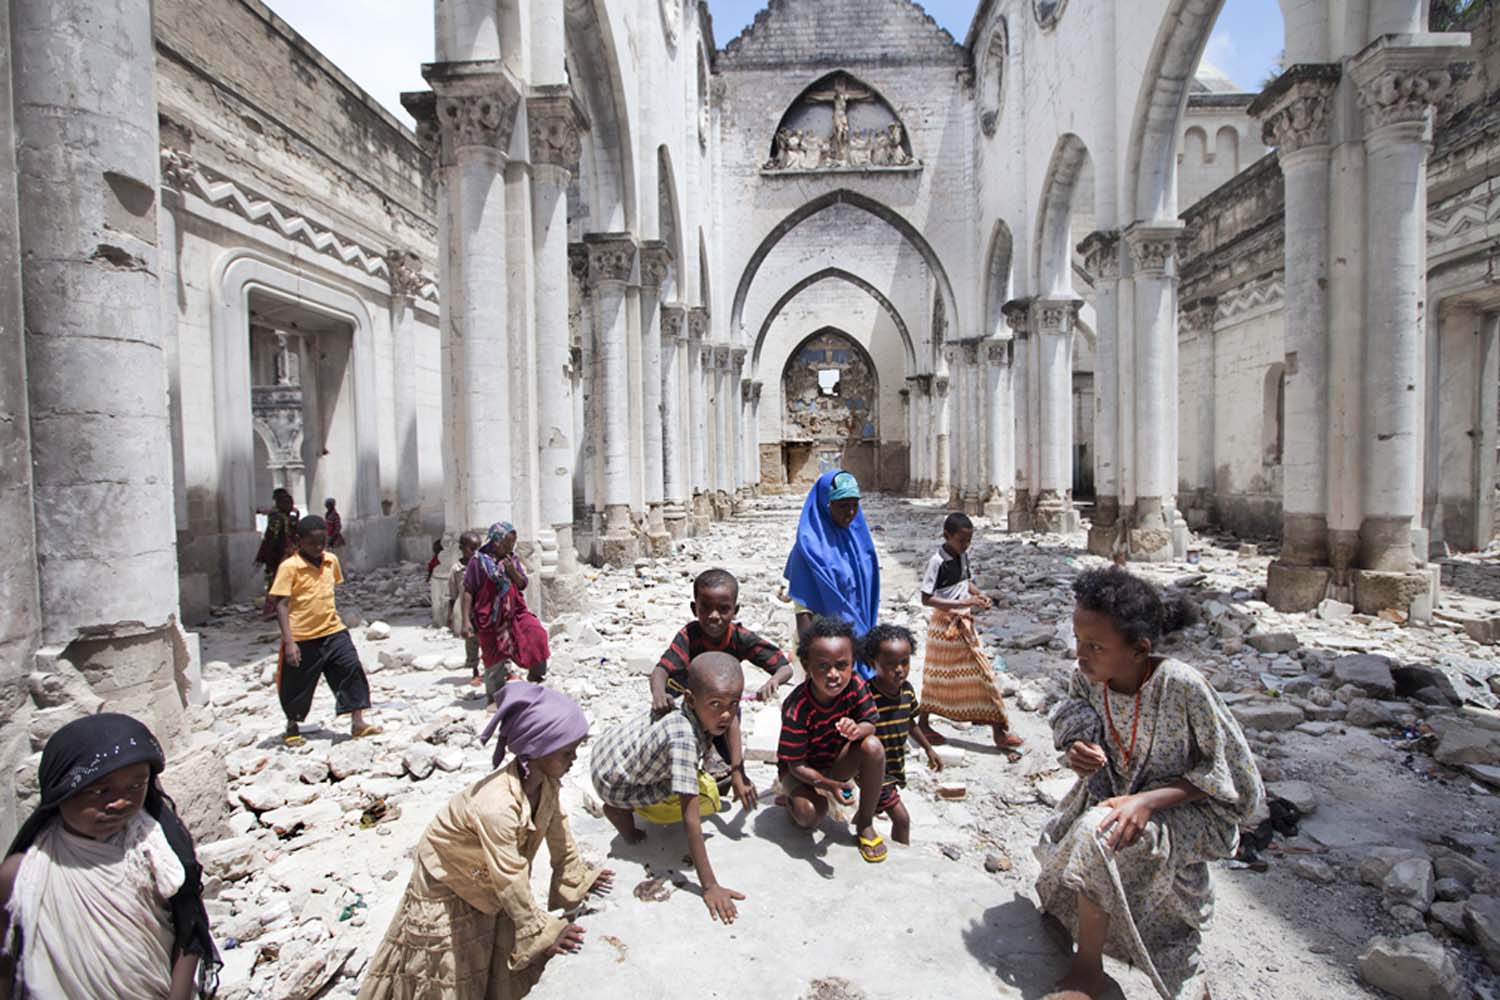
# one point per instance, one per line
(1215, 144)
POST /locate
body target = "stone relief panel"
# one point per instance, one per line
(992, 78)
(830, 392)
(839, 123)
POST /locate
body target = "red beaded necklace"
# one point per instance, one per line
(1135, 721)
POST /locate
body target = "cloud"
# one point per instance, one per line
(1221, 50)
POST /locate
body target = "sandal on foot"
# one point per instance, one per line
(873, 849)
(475, 682)
(293, 740)
(367, 730)
(1009, 741)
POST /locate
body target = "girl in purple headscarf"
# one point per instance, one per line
(468, 927)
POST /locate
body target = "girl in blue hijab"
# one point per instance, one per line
(832, 569)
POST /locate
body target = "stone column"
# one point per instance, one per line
(1154, 253)
(553, 126)
(1000, 420)
(589, 473)
(942, 465)
(737, 402)
(612, 259)
(1398, 83)
(753, 434)
(1197, 417)
(403, 268)
(953, 406)
(474, 114)
(700, 364)
(973, 431)
(1101, 254)
(656, 263)
(920, 442)
(1018, 318)
(1296, 114)
(726, 395)
(1055, 320)
(676, 493)
(86, 162)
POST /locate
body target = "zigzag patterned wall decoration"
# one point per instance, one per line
(183, 173)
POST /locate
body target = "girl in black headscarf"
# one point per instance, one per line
(102, 893)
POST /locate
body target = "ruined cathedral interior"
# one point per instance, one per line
(633, 287)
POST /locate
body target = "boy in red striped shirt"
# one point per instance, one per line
(716, 602)
(828, 743)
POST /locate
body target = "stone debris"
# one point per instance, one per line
(1414, 967)
(1327, 717)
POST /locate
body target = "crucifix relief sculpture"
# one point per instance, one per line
(808, 140)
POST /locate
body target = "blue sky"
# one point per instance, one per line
(382, 44)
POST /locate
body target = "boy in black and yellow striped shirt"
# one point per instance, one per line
(888, 648)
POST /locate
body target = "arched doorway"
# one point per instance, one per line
(829, 412)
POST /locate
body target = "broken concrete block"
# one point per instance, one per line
(1463, 742)
(1330, 610)
(1378, 862)
(1298, 793)
(1368, 713)
(1369, 672)
(350, 757)
(1314, 870)
(231, 859)
(1410, 883)
(378, 631)
(1414, 967)
(419, 759)
(308, 977)
(1273, 642)
(1274, 716)
(1482, 919)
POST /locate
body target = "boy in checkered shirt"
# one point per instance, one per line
(649, 762)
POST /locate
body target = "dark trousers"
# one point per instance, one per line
(332, 657)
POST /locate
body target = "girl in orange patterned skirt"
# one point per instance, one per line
(958, 680)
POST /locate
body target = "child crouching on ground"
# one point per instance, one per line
(468, 927)
(716, 602)
(101, 894)
(888, 648)
(653, 765)
(828, 744)
(1166, 779)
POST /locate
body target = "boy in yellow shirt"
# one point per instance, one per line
(314, 641)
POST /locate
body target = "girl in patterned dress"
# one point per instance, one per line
(1165, 780)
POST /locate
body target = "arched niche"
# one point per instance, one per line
(1066, 212)
(992, 77)
(830, 391)
(839, 123)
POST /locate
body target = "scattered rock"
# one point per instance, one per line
(1369, 672)
(419, 759)
(350, 757)
(1409, 883)
(1482, 918)
(1463, 742)
(1298, 793)
(1033, 639)
(1450, 889)
(308, 977)
(1271, 716)
(1273, 642)
(1314, 870)
(1031, 699)
(378, 631)
(1368, 713)
(1330, 610)
(1378, 862)
(1450, 917)
(1054, 790)
(428, 661)
(1414, 967)
(231, 859)
(450, 760)
(996, 863)
(952, 756)
(262, 796)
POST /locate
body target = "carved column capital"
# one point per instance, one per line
(1398, 83)
(737, 355)
(611, 257)
(747, 390)
(422, 106)
(177, 168)
(1056, 316)
(578, 263)
(656, 263)
(755, 390)
(971, 353)
(555, 126)
(722, 357)
(698, 322)
(673, 322)
(474, 105)
(940, 386)
(1017, 313)
(404, 271)
(1198, 317)
(1101, 254)
(1153, 248)
(999, 353)
(1296, 111)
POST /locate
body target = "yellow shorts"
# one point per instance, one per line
(669, 810)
